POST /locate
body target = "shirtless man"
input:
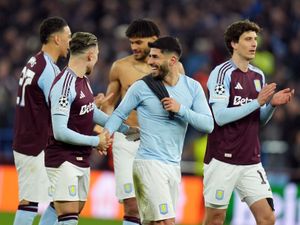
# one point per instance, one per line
(124, 72)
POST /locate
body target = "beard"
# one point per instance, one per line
(163, 71)
(143, 55)
(88, 71)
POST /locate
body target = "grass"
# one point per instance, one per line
(8, 219)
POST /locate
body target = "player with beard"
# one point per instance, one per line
(124, 72)
(70, 143)
(156, 167)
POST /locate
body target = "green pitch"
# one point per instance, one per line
(8, 218)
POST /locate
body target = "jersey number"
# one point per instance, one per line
(25, 79)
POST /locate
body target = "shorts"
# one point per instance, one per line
(69, 182)
(124, 152)
(157, 189)
(32, 177)
(220, 179)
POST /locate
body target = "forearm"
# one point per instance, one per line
(224, 115)
(200, 121)
(64, 134)
(266, 113)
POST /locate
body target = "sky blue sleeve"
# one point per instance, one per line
(46, 79)
(219, 100)
(199, 116)
(224, 115)
(129, 102)
(266, 113)
(101, 118)
(60, 117)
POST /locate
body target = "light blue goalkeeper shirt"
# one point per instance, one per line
(161, 138)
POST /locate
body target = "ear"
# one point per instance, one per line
(56, 39)
(89, 56)
(233, 44)
(173, 60)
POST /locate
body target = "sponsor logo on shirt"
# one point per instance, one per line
(86, 109)
(163, 208)
(239, 100)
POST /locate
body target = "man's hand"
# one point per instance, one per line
(266, 93)
(104, 142)
(101, 99)
(133, 134)
(170, 104)
(282, 97)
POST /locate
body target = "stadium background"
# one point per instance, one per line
(199, 24)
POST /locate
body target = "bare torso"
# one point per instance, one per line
(123, 74)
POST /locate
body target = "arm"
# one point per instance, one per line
(101, 118)
(60, 117)
(199, 116)
(224, 115)
(114, 87)
(129, 102)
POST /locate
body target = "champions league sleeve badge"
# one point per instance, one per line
(63, 101)
(220, 89)
(257, 85)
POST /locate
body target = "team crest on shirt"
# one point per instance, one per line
(219, 194)
(220, 89)
(72, 190)
(128, 188)
(257, 85)
(163, 208)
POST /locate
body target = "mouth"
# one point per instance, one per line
(154, 68)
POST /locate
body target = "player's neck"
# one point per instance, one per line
(172, 78)
(51, 51)
(240, 62)
(77, 67)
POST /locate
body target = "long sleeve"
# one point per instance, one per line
(199, 116)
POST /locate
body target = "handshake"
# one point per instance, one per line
(105, 140)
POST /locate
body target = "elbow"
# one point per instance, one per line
(58, 135)
(210, 126)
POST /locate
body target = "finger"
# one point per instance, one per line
(108, 97)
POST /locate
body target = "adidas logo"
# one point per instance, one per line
(238, 86)
(81, 95)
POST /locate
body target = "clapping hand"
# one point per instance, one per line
(282, 97)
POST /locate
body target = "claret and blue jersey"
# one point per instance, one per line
(235, 138)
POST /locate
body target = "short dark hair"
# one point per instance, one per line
(236, 29)
(81, 41)
(50, 26)
(167, 44)
(142, 28)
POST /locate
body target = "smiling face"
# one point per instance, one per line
(139, 47)
(246, 46)
(159, 63)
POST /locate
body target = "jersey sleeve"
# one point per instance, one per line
(218, 85)
(199, 116)
(61, 96)
(46, 79)
(129, 102)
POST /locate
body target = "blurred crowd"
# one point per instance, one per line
(199, 24)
